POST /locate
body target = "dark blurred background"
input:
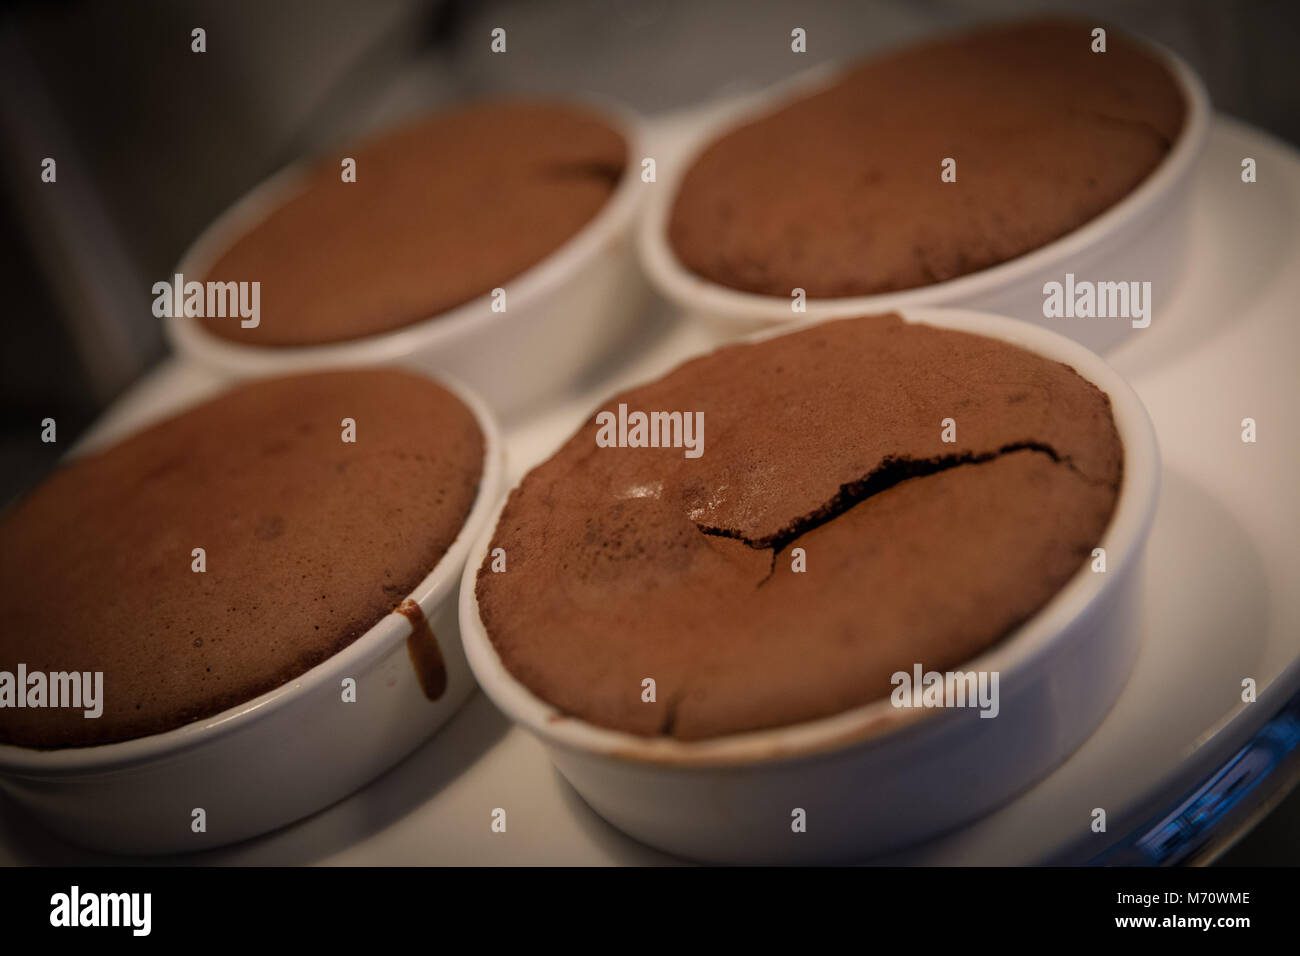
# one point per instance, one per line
(152, 141)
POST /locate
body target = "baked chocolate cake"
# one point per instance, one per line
(840, 192)
(626, 563)
(442, 211)
(309, 541)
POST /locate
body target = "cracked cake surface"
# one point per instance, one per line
(633, 563)
(308, 542)
(839, 192)
(443, 210)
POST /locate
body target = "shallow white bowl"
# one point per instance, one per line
(280, 756)
(562, 316)
(875, 777)
(1139, 238)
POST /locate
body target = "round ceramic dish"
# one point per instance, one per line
(875, 777)
(1139, 238)
(563, 314)
(277, 757)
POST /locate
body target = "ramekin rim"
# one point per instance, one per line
(754, 310)
(188, 337)
(876, 722)
(434, 589)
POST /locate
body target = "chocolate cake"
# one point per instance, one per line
(442, 211)
(626, 563)
(309, 541)
(840, 192)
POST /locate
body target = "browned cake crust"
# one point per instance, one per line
(443, 211)
(628, 563)
(839, 193)
(309, 542)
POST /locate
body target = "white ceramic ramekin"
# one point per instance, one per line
(876, 777)
(280, 756)
(562, 315)
(1140, 238)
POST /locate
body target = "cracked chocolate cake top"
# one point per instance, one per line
(630, 563)
(443, 210)
(839, 193)
(308, 542)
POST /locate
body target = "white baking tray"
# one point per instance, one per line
(1220, 595)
